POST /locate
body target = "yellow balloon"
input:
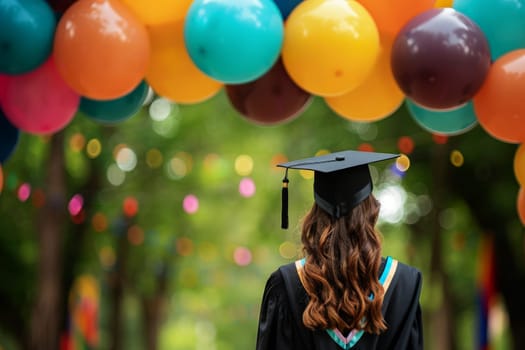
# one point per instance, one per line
(376, 98)
(519, 164)
(329, 46)
(158, 11)
(443, 3)
(171, 72)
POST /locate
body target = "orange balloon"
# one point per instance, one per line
(391, 15)
(520, 204)
(160, 11)
(101, 49)
(171, 72)
(500, 104)
(376, 98)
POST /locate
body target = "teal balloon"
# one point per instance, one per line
(117, 110)
(445, 122)
(27, 29)
(502, 22)
(234, 41)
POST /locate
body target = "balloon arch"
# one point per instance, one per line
(454, 64)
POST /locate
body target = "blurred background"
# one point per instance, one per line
(160, 233)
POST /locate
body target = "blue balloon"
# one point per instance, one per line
(445, 122)
(9, 137)
(286, 6)
(27, 29)
(502, 22)
(117, 110)
(234, 41)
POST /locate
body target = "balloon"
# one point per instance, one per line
(440, 59)
(376, 98)
(272, 99)
(520, 204)
(117, 110)
(39, 102)
(26, 34)
(451, 122)
(519, 164)
(9, 137)
(443, 3)
(60, 6)
(330, 46)
(234, 41)
(286, 6)
(160, 11)
(171, 72)
(3, 84)
(101, 49)
(390, 16)
(502, 21)
(500, 103)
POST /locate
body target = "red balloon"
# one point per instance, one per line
(272, 99)
(39, 102)
(440, 59)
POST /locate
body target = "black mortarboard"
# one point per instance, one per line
(341, 180)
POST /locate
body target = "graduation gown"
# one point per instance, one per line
(284, 300)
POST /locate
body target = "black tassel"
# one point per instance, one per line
(284, 202)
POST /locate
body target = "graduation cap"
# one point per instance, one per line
(341, 180)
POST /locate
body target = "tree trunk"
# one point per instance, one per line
(153, 310)
(443, 321)
(46, 314)
(116, 284)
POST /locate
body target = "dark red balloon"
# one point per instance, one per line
(271, 99)
(440, 58)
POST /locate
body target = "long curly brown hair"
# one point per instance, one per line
(343, 257)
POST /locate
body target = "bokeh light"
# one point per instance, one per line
(115, 175)
(242, 256)
(107, 257)
(154, 158)
(99, 222)
(24, 191)
(93, 148)
(126, 159)
(439, 139)
(77, 142)
(365, 147)
(190, 204)
(288, 250)
(247, 187)
(244, 165)
(392, 199)
(161, 108)
(277, 159)
(135, 235)
(75, 204)
(184, 246)
(176, 168)
(130, 206)
(402, 163)
(405, 144)
(456, 158)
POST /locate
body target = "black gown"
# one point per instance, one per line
(284, 300)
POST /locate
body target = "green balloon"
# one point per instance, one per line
(445, 122)
(117, 110)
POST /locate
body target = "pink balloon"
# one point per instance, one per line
(3, 83)
(40, 101)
